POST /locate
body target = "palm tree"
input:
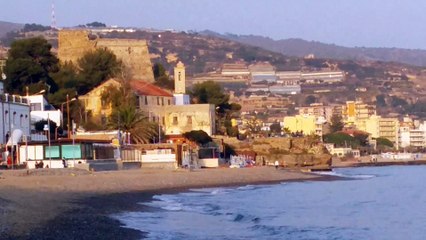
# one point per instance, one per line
(127, 118)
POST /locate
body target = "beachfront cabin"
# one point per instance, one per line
(208, 157)
(64, 153)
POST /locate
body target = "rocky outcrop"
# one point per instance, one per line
(290, 152)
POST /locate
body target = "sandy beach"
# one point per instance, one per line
(75, 204)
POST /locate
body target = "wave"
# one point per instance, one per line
(354, 176)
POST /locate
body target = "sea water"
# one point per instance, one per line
(374, 203)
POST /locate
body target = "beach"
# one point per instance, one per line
(76, 204)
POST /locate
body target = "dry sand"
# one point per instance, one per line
(74, 204)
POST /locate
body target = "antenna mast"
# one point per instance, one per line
(53, 23)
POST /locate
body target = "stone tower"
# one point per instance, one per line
(73, 44)
(180, 78)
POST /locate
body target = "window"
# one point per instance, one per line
(35, 106)
(103, 104)
(168, 101)
(175, 120)
(146, 100)
(21, 117)
(71, 151)
(51, 152)
(162, 101)
(164, 121)
(138, 102)
(14, 118)
(6, 116)
(189, 120)
(158, 100)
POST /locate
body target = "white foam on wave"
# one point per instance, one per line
(355, 176)
(212, 191)
(166, 202)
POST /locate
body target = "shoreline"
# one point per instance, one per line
(355, 164)
(83, 210)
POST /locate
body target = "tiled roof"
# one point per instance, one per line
(148, 89)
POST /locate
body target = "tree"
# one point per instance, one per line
(96, 67)
(125, 116)
(310, 99)
(275, 128)
(198, 136)
(30, 63)
(96, 24)
(341, 139)
(384, 143)
(209, 92)
(212, 93)
(161, 77)
(380, 100)
(34, 27)
(67, 81)
(39, 126)
(336, 123)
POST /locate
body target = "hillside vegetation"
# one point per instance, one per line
(301, 48)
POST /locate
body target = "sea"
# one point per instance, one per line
(370, 203)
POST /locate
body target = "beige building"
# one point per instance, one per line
(320, 110)
(381, 127)
(73, 44)
(185, 118)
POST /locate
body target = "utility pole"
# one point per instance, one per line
(68, 117)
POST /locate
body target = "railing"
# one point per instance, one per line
(13, 99)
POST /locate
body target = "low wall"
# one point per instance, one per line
(208, 162)
(160, 165)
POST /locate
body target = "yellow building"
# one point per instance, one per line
(382, 127)
(158, 105)
(302, 123)
(94, 106)
(150, 99)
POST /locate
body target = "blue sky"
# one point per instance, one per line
(369, 23)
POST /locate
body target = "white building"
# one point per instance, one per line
(412, 137)
(14, 118)
(42, 110)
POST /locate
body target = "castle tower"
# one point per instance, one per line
(180, 78)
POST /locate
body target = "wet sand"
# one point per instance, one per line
(75, 204)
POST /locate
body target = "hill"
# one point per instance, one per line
(202, 53)
(301, 48)
(6, 27)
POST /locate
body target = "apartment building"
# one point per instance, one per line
(382, 127)
(320, 110)
(357, 111)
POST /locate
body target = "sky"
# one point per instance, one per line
(362, 23)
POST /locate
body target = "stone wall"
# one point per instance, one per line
(73, 44)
